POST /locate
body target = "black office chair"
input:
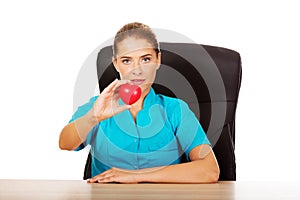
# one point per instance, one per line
(207, 78)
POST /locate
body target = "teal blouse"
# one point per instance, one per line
(165, 129)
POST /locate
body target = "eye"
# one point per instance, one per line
(146, 59)
(126, 61)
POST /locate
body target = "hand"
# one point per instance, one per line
(116, 175)
(107, 103)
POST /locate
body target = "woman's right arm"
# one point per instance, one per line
(106, 105)
(74, 133)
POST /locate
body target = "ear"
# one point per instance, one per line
(158, 60)
(114, 61)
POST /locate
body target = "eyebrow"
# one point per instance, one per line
(148, 54)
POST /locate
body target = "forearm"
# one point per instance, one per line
(75, 133)
(198, 171)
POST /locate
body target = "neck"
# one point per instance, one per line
(139, 104)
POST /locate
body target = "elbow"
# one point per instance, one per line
(213, 172)
(64, 141)
(63, 146)
(213, 175)
(210, 175)
(68, 139)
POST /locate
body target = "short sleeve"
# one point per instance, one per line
(81, 111)
(188, 130)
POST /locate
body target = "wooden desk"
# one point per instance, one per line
(51, 189)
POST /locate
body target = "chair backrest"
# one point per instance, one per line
(207, 78)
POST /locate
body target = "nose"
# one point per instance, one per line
(137, 70)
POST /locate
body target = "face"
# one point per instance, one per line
(137, 61)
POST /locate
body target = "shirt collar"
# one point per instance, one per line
(150, 98)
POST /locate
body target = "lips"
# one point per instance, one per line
(137, 81)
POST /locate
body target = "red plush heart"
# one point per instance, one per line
(130, 93)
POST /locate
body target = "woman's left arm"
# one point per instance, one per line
(203, 168)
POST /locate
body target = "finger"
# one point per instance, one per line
(107, 180)
(120, 82)
(94, 179)
(91, 180)
(111, 86)
(100, 176)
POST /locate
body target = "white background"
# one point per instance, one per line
(44, 44)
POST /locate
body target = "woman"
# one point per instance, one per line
(145, 141)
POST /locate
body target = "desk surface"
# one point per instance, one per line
(52, 189)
